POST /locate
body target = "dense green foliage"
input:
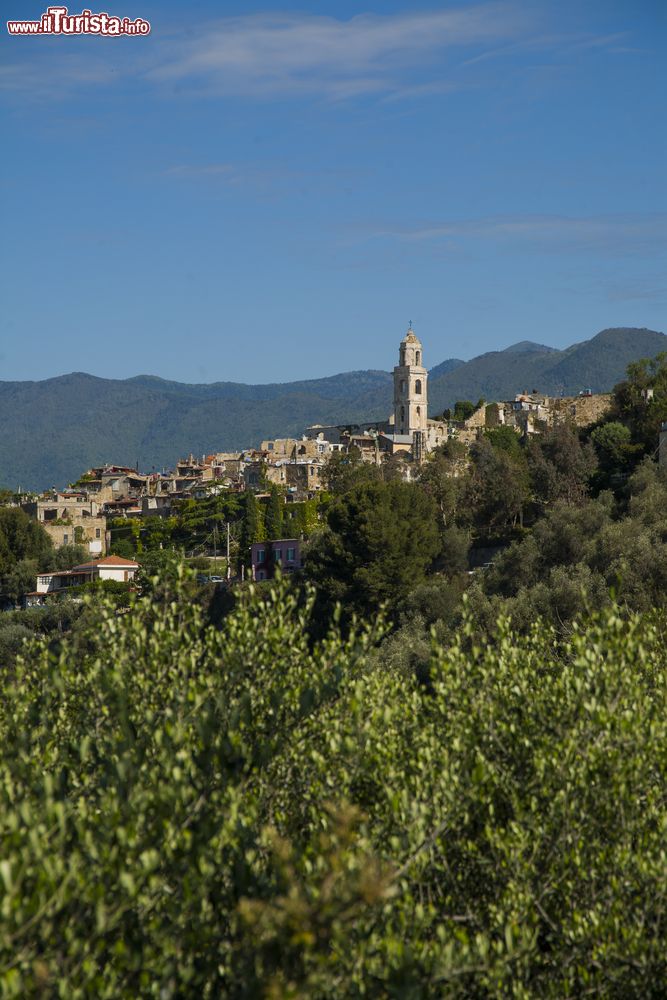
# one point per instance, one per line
(196, 812)
(252, 793)
(461, 410)
(554, 525)
(54, 620)
(576, 557)
(23, 544)
(379, 541)
(273, 517)
(26, 549)
(504, 482)
(344, 470)
(641, 405)
(253, 527)
(199, 526)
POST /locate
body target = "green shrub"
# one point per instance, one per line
(188, 811)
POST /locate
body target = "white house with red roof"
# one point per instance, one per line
(109, 568)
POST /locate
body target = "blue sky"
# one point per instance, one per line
(262, 193)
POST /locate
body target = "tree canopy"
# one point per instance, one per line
(24, 549)
(379, 541)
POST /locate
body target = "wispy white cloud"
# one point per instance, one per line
(588, 41)
(615, 234)
(401, 55)
(52, 78)
(411, 90)
(562, 43)
(264, 54)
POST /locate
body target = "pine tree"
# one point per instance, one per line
(380, 540)
(252, 527)
(274, 515)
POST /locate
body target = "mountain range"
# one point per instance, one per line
(53, 430)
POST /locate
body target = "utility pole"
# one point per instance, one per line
(229, 571)
(215, 546)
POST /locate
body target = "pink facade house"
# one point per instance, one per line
(266, 557)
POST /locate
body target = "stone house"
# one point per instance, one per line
(91, 532)
(257, 472)
(367, 444)
(225, 466)
(305, 477)
(296, 448)
(70, 518)
(395, 444)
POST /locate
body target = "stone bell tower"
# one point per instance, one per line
(410, 395)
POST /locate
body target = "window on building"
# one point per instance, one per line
(277, 555)
(418, 357)
(270, 445)
(402, 413)
(402, 387)
(260, 555)
(402, 355)
(98, 533)
(419, 411)
(291, 555)
(261, 575)
(65, 539)
(418, 387)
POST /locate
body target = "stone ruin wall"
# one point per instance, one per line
(582, 410)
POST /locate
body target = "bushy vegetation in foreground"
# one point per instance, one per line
(196, 812)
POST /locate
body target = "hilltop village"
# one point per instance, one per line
(493, 565)
(83, 512)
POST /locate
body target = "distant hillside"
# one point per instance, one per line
(528, 347)
(53, 430)
(445, 367)
(596, 364)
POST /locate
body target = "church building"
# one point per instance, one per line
(410, 430)
(408, 426)
(410, 387)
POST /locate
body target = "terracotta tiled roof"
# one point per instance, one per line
(116, 561)
(109, 561)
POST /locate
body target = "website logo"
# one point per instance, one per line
(58, 21)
